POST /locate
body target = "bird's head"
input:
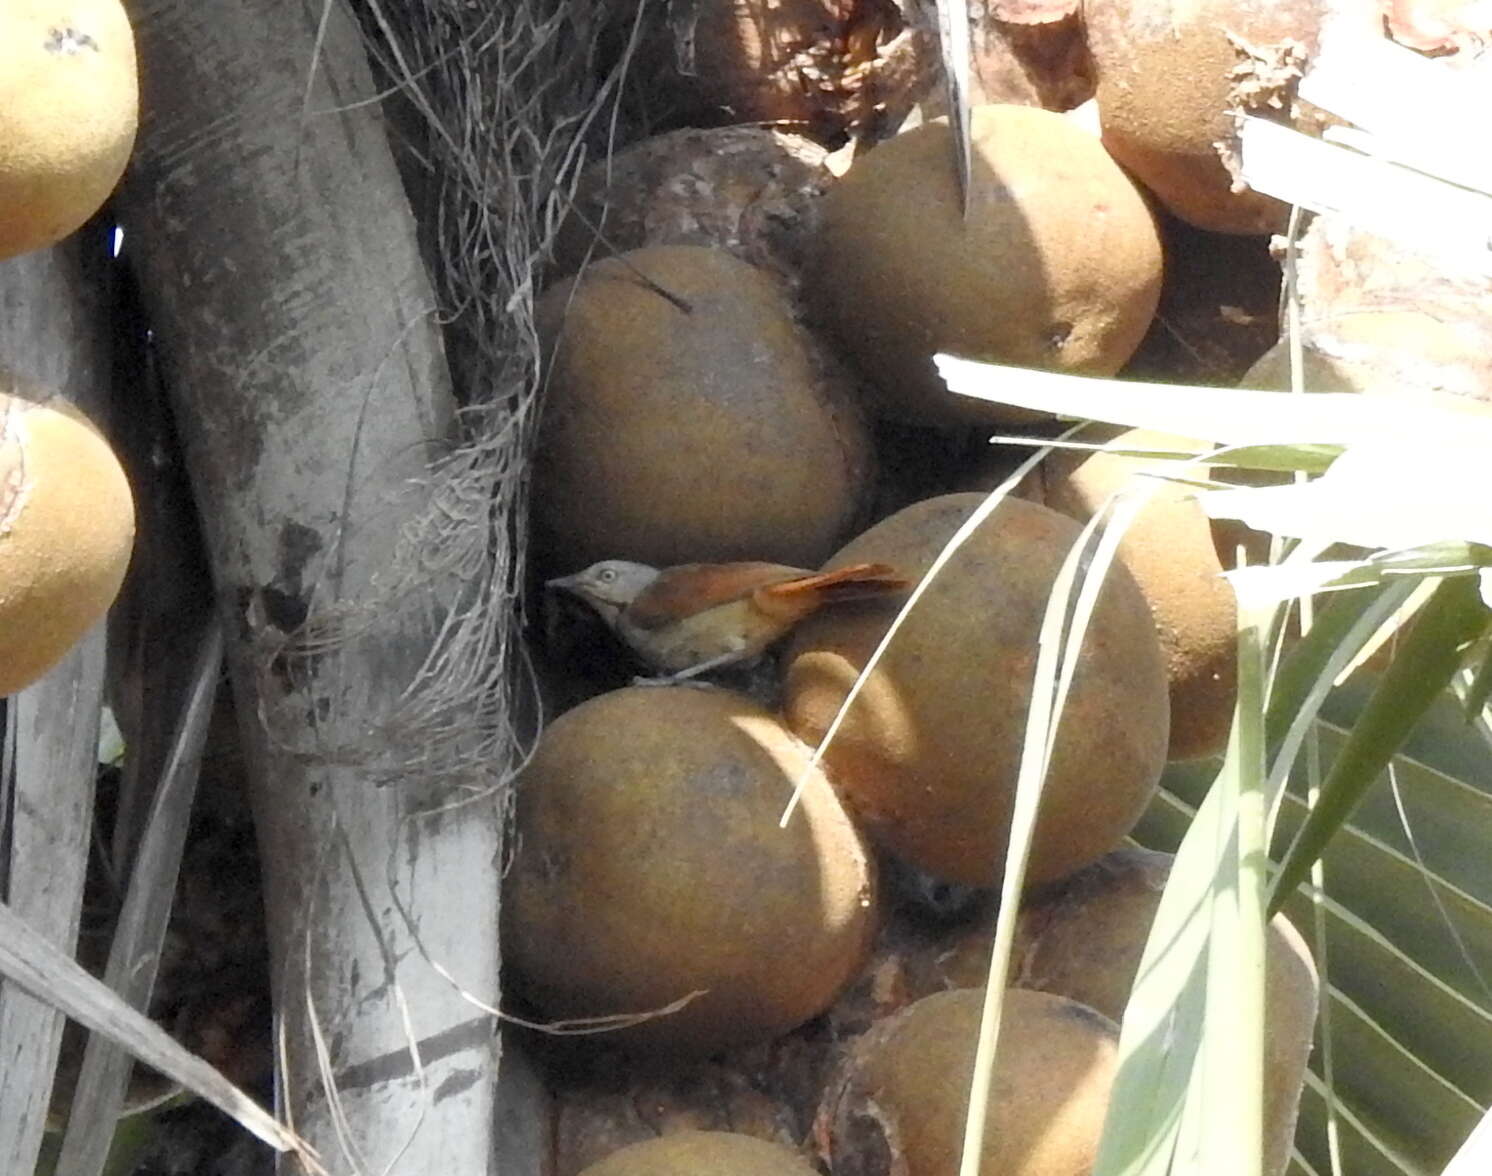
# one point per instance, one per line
(608, 586)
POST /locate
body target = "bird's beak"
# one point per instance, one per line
(565, 583)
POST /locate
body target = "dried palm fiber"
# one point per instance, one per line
(498, 107)
(366, 531)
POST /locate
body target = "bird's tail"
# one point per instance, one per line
(855, 582)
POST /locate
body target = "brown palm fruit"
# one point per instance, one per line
(702, 1153)
(69, 103)
(1057, 265)
(67, 527)
(689, 418)
(651, 866)
(1084, 938)
(1168, 73)
(928, 756)
(607, 1100)
(1169, 550)
(900, 1100)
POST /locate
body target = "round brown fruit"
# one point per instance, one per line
(67, 526)
(69, 102)
(1084, 940)
(1166, 77)
(900, 1100)
(1057, 264)
(928, 756)
(689, 418)
(651, 865)
(605, 1101)
(696, 1153)
(1169, 549)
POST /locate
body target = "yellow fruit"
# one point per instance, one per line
(689, 419)
(900, 1101)
(651, 865)
(1169, 550)
(68, 108)
(67, 525)
(1057, 265)
(928, 756)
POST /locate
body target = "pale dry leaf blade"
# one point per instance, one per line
(1074, 591)
(1329, 177)
(1162, 1020)
(1387, 493)
(51, 766)
(1326, 511)
(1363, 80)
(1159, 1116)
(1275, 583)
(31, 962)
(140, 931)
(1271, 583)
(1229, 1109)
(1156, 1115)
(1230, 416)
(1310, 459)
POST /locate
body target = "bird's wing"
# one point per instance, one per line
(688, 589)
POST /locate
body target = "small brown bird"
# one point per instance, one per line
(693, 618)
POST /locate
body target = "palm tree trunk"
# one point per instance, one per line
(295, 323)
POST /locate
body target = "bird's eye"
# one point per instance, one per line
(606, 575)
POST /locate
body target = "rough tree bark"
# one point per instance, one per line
(280, 270)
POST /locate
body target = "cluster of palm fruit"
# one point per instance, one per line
(739, 343)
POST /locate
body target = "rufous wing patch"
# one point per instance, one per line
(688, 589)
